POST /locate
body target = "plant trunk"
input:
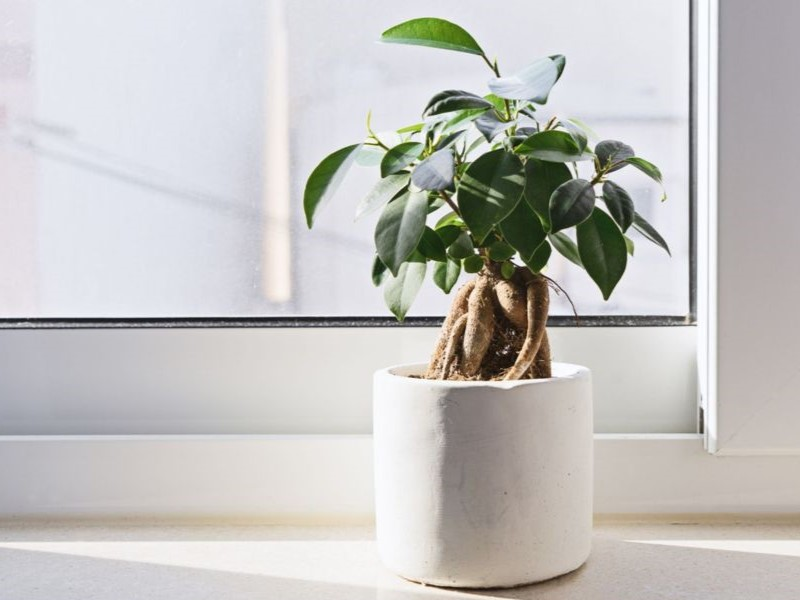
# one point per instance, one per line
(495, 330)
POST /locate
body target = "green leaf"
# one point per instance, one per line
(629, 244)
(370, 156)
(462, 247)
(590, 133)
(649, 232)
(473, 264)
(462, 119)
(500, 251)
(452, 100)
(446, 274)
(386, 189)
(603, 251)
(578, 134)
(325, 178)
(400, 228)
(435, 172)
(448, 140)
(650, 170)
(619, 204)
(523, 230)
(566, 247)
(431, 246)
(434, 203)
(541, 180)
(491, 125)
(490, 189)
(415, 128)
(540, 257)
(553, 146)
(401, 290)
(448, 234)
(434, 33)
(450, 218)
(379, 272)
(399, 157)
(507, 270)
(498, 103)
(571, 203)
(532, 83)
(613, 152)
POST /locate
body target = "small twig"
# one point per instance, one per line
(450, 202)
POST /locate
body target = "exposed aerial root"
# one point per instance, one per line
(480, 326)
(458, 308)
(495, 330)
(538, 303)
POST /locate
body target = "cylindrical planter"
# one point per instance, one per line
(483, 484)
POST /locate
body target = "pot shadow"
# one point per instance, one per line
(639, 569)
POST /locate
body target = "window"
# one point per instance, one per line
(153, 154)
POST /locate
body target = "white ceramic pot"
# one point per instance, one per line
(483, 484)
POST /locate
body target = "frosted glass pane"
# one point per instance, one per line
(153, 154)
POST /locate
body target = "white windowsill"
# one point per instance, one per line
(722, 560)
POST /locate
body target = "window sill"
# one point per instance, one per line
(61, 561)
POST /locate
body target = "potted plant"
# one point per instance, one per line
(483, 456)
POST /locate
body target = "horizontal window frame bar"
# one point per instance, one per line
(325, 322)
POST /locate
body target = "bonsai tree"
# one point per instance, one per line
(511, 187)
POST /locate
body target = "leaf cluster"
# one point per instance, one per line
(510, 185)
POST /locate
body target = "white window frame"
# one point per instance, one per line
(323, 477)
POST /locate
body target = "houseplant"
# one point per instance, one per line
(483, 456)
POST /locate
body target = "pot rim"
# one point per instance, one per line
(566, 372)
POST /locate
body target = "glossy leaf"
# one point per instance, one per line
(369, 156)
(325, 179)
(401, 290)
(452, 100)
(379, 272)
(629, 245)
(566, 247)
(450, 218)
(400, 228)
(578, 134)
(383, 191)
(399, 157)
(612, 152)
(462, 120)
(541, 180)
(434, 33)
(448, 234)
(500, 251)
(590, 133)
(490, 125)
(603, 251)
(462, 247)
(415, 128)
(533, 83)
(446, 274)
(649, 169)
(448, 140)
(571, 203)
(523, 230)
(649, 232)
(435, 172)
(431, 246)
(489, 190)
(473, 264)
(540, 258)
(553, 146)
(619, 204)
(507, 270)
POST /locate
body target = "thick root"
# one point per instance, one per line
(479, 328)
(451, 351)
(542, 364)
(538, 302)
(458, 308)
(511, 300)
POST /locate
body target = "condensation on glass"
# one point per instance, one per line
(153, 154)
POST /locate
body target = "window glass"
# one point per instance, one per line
(153, 154)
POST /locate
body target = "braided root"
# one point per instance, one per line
(495, 330)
